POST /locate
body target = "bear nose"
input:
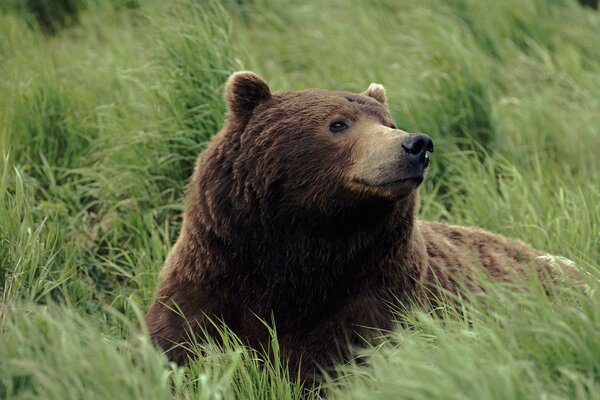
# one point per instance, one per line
(416, 146)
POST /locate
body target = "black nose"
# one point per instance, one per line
(416, 146)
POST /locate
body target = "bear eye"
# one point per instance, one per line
(338, 126)
(393, 126)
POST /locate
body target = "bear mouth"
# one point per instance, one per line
(401, 182)
(417, 180)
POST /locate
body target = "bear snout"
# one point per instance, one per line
(415, 148)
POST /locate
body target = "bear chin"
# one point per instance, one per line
(397, 190)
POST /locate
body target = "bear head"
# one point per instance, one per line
(314, 150)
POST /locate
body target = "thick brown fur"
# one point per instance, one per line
(286, 219)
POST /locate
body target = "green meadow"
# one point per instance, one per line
(105, 104)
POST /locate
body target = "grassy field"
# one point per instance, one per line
(104, 105)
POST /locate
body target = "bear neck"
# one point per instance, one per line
(272, 242)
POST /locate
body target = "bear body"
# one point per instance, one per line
(302, 211)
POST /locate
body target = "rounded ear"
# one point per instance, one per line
(377, 92)
(244, 91)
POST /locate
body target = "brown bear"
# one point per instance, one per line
(302, 209)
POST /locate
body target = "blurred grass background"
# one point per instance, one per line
(104, 105)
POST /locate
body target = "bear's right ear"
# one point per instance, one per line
(244, 91)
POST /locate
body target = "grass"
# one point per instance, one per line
(103, 112)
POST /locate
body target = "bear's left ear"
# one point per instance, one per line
(244, 91)
(377, 92)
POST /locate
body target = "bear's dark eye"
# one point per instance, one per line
(338, 126)
(393, 126)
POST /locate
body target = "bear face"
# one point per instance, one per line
(315, 149)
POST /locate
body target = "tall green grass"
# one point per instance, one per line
(103, 114)
(511, 345)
